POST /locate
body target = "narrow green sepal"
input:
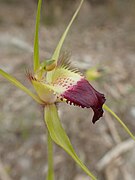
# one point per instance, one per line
(59, 46)
(119, 120)
(45, 92)
(36, 39)
(60, 137)
(56, 53)
(50, 174)
(20, 86)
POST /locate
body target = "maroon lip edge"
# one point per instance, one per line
(84, 95)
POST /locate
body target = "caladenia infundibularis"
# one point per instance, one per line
(55, 82)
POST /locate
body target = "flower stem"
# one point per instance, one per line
(119, 120)
(50, 175)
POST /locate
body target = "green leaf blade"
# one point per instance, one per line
(20, 86)
(60, 137)
(36, 38)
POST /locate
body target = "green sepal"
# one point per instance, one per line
(56, 53)
(50, 174)
(36, 39)
(45, 92)
(59, 46)
(60, 137)
(20, 86)
(119, 120)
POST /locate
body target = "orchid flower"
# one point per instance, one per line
(65, 85)
(54, 82)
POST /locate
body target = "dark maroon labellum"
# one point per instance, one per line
(84, 95)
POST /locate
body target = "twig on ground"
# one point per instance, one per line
(112, 128)
(115, 153)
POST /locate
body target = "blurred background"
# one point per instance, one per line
(103, 38)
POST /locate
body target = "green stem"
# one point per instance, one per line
(119, 120)
(50, 175)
